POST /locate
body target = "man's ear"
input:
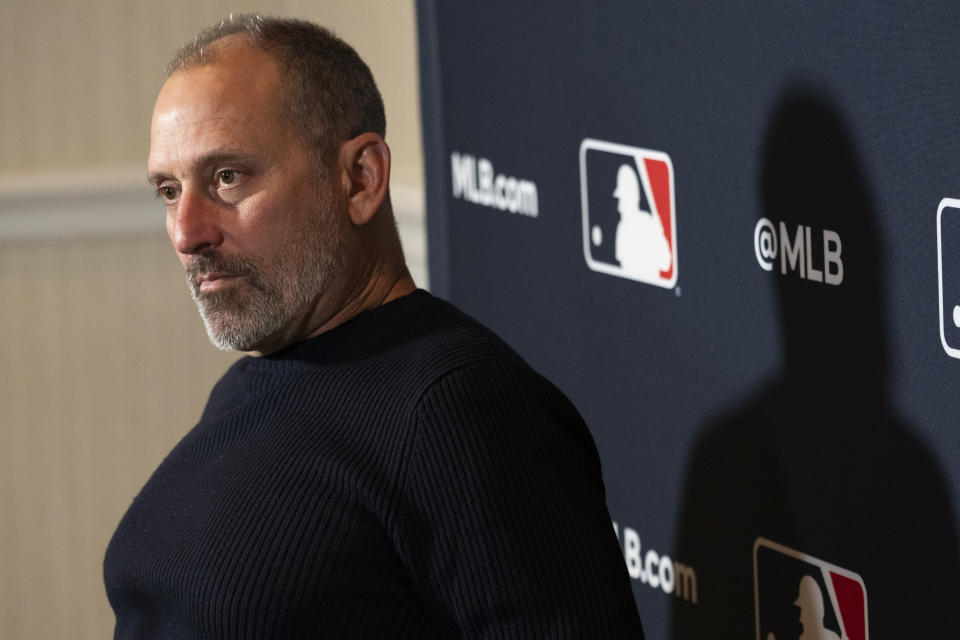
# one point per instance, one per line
(365, 175)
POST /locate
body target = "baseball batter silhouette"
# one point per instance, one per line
(641, 245)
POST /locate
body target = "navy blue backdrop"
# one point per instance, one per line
(727, 231)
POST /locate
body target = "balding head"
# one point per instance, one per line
(329, 91)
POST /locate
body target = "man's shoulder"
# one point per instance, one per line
(434, 338)
(463, 366)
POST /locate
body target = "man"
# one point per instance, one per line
(379, 465)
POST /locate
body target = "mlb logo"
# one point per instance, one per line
(948, 273)
(629, 212)
(799, 596)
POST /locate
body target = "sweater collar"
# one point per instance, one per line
(359, 335)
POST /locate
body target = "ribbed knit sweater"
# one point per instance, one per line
(404, 475)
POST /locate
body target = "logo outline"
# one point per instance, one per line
(803, 557)
(954, 203)
(612, 147)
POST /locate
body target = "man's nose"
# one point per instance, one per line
(195, 227)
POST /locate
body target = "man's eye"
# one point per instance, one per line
(167, 193)
(227, 176)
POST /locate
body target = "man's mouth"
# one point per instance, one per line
(216, 280)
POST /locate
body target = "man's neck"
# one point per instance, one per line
(376, 292)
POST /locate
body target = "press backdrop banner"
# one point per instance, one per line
(730, 232)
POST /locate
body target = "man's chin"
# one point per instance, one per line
(229, 338)
(230, 330)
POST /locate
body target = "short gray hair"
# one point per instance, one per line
(330, 92)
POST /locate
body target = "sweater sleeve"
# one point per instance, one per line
(502, 519)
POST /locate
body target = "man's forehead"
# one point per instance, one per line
(233, 101)
(241, 83)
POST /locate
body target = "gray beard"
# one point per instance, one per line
(268, 299)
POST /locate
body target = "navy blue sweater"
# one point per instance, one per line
(404, 475)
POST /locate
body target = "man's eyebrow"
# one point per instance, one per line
(155, 178)
(214, 158)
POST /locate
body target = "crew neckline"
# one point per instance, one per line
(366, 329)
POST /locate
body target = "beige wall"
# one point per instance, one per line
(79, 77)
(103, 362)
(104, 365)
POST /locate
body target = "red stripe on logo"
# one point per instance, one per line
(851, 601)
(659, 174)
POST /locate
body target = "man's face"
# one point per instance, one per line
(253, 220)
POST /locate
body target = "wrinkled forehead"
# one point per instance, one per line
(234, 102)
(239, 81)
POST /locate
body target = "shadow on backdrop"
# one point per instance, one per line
(817, 460)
